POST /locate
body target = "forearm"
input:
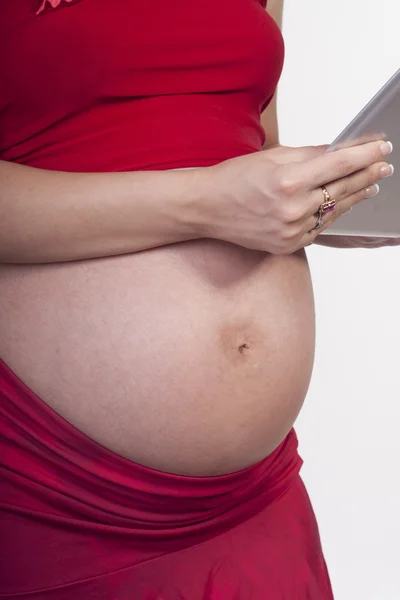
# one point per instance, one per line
(50, 216)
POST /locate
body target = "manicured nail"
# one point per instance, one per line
(387, 148)
(387, 171)
(372, 191)
(348, 210)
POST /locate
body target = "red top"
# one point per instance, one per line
(101, 85)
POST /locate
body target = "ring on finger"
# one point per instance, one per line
(320, 222)
(329, 204)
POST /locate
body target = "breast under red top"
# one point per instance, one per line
(113, 85)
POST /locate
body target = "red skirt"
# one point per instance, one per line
(78, 522)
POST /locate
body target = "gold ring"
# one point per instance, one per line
(329, 204)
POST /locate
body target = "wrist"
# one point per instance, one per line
(193, 207)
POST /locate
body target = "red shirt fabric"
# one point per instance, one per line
(95, 85)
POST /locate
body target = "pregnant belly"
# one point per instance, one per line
(193, 358)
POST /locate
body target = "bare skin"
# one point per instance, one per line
(193, 357)
(186, 343)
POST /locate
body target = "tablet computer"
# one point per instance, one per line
(380, 119)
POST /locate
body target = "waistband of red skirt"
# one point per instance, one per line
(52, 470)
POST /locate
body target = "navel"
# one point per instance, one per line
(239, 343)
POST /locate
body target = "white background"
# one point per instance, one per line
(339, 53)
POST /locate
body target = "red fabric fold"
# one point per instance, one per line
(81, 522)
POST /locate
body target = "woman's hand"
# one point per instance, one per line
(269, 200)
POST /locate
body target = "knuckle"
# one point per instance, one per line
(287, 186)
(290, 213)
(378, 152)
(297, 213)
(375, 154)
(288, 234)
(284, 242)
(372, 180)
(359, 197)
(369, 177)
(344, 188)
(344, 163)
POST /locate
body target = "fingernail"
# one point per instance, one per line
(348, 210)
(387, 148)
(372, 191)
(387, 171)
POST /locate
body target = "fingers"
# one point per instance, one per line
(347, 186)
(354, 199)
(362, 179)
(339, 164)
(327, 220)
(310, 233)
(343, 207)
(304, 228)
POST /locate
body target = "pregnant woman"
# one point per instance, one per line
(156, 308)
